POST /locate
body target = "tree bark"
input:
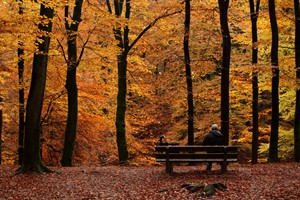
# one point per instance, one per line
(71, 85)
(223, 6)
(21, 93)
(1, 121)
(273, 151)
(297, 59)
(188, 73)
(123, 44)
(32, 159)
(254, 15)
(121, 107)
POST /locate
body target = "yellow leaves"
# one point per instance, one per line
(8, 157)
(288, 104)
(4, 75)
(136, 62)
(244, 140)
(156, 75)
(44, 20)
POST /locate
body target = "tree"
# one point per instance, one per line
(32, 159)
(147, 115)
(273, 151)
(297, 59)
(254, 15)
(223, 7)
(122, 38)
(21, 91)
(188, 73)
(71, 85)
(123, 44)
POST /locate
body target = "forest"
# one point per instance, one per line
(98, 82)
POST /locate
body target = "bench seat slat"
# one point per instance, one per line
(197, 160)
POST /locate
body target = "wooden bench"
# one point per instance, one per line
(195, 153)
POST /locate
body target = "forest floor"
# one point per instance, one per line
(261, 181)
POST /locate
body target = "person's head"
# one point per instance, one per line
(214, 127)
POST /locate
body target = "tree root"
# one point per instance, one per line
(38, 168)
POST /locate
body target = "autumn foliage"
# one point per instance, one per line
(156, 95)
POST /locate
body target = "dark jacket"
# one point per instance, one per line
(214, 137)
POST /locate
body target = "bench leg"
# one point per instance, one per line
(169, 167)
(224, 166)
(224, 163)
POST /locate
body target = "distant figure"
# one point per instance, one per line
(214, 137)
(162, 140)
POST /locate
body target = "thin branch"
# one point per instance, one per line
(108, 6)
(257, 6)
(84, 44)
(150, 25)
(284, 47)
(63, 51)
(50, 105)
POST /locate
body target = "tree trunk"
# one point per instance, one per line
(121, 107)
(254, 15)
(21, 105)
(188, 73)
(70, 133)
(273, 151)
(223, 6)
(21, 93)
(71, 85)
(32, 159)
(297, 59)
(123, 44)
(1, 121)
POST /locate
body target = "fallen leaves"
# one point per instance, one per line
(261, 181)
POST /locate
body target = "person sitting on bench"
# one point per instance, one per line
(214, 137)
(162, 141)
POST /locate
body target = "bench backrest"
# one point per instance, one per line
(194, 152)
(195, 148)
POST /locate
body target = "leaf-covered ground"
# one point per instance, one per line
(261, 181)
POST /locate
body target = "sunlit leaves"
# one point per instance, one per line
(156, 82)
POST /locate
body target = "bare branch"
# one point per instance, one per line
(63, 51)
(84, 44)
(150, 25)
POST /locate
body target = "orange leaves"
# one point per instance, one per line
(156, 76)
